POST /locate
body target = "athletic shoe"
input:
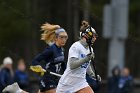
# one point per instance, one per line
(11, 88)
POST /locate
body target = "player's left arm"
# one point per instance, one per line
(91, 73)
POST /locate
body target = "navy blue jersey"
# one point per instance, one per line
(53, 57)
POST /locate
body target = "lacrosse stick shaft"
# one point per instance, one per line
(55, 74)
(94, 67)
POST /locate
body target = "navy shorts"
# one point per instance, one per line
(47, 83)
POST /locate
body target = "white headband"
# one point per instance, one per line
(59, 30)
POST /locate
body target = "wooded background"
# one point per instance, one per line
(20, 22)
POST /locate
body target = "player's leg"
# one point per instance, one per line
(85, 90)
(39, 91)
(24, 92)
(49, 91)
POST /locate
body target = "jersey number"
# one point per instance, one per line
(58, 67)
(84, 65)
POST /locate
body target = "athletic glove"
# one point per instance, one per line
(91, 56)
(38, 69)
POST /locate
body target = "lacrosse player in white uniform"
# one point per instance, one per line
(79, 58)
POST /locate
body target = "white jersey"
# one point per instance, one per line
(74, 79)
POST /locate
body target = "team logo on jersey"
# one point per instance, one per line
(59, 58)
(85, 64)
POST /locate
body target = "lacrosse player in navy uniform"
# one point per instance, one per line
(53, 56)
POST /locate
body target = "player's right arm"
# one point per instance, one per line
(45, 55)
(74, 61)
